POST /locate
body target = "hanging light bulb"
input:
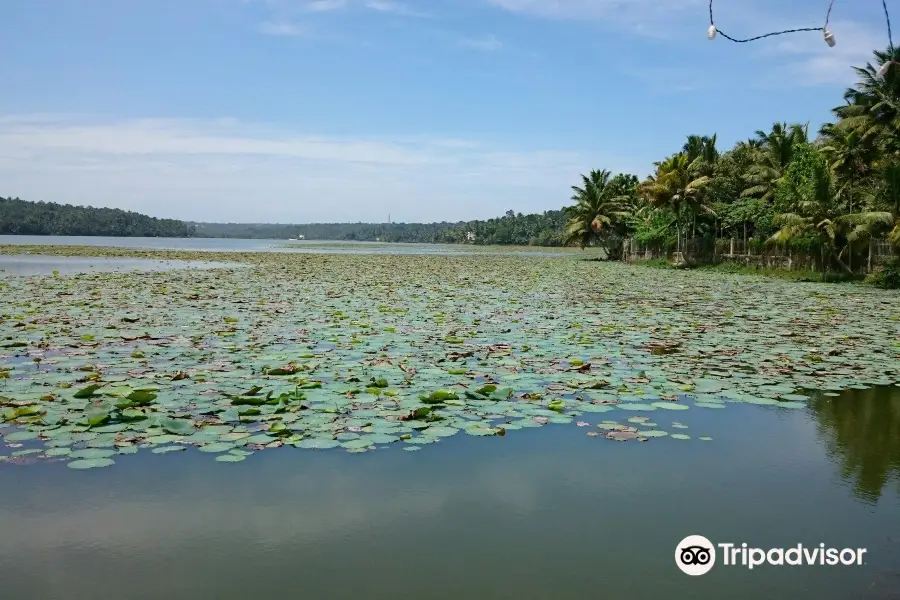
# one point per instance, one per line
(829, 39)
(711, 32)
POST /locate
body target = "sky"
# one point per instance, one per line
(299, 111)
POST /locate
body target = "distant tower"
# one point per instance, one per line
(389, 218)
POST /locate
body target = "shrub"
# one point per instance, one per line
(889, 277)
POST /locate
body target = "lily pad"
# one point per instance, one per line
(317, 444)
(230, 458)
(91, 463)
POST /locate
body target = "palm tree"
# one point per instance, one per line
(675, 187)
(849, 157)
(813, 217)
(886, 198)
(702, 153)
(596, 211)
(817, 214)
(872, 108)
(777, 150)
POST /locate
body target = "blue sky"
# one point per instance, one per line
(347, 110)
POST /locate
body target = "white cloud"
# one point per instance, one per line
(488, 43)
(821, 65)
(283, 28)
(228, 170)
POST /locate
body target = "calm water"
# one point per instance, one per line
(239, 245)
(543, 514)
(209, 244)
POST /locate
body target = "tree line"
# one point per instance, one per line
(829, 196)
(545, 229)
(20, 217)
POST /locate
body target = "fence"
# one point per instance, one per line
(753, 253)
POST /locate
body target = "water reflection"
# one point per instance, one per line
(549, 514)
(861, 430)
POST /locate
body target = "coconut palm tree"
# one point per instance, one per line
(849, 158)
(885, 198)
(813, 217)
(596, 211)
(702, 154)
(776, 152)
(675, 187)
(872, 108)
(818, 213)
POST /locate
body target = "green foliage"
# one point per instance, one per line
(545, 229)
(824, 200)
(654, 229)
(602, 208)
(806, 178)
(20, 217)
(889, 277)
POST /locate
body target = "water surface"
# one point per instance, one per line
(255, 245)
(544, 514)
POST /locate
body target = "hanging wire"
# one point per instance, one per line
(887, 17)
(774, 33)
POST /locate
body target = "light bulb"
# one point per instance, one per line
(829, 39)
(711, 32)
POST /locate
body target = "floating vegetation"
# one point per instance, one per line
(360, 353)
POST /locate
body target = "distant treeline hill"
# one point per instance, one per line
(20, 217)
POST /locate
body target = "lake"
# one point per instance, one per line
(546, 514)
(242, 245)
(571, 422)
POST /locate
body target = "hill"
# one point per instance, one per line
(20, 217)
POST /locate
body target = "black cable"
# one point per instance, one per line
(828, 12)
(759, 37)
(887, 17)
(774, 33)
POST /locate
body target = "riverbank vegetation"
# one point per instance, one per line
(826, 201)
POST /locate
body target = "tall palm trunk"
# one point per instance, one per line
(850, 246)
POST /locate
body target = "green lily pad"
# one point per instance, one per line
(91, 463)
(91, 453)
(317, 444)
(670, 406)
(651, 433)
(21, 436)
(230, 458)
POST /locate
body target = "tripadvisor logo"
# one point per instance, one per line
(696, 555)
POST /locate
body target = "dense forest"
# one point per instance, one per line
(545, 229)
(831, 197)
(20, 217)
